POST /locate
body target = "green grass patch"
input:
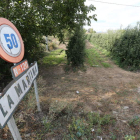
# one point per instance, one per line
(106, 65)
(81, 128)
(135, 121)
(102, 51)
(94, 58)
(55, 57)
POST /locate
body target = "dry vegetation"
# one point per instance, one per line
(74, 103)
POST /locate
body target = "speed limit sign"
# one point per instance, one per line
(11, 44)
(24, 75)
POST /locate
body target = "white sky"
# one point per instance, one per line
(111, 16)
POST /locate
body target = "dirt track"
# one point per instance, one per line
(111, 91)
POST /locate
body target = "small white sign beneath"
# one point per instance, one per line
(15, 92)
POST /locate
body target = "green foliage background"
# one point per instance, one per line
(123, 45)
(35, 18)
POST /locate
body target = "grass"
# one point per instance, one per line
(54, 58)
(138, 101)
(94, 58)
(102, 50)
(129, 137)
(106, 65)
(135, 121)
(83, 127)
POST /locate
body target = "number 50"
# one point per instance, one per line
(11, 41)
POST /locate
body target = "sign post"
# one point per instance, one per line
(14, 92)
(12, 50)
(46, 43)
(36, 94)
(13, 128)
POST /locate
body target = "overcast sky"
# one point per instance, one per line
(112, 16)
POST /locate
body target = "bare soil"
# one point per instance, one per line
(112, 91)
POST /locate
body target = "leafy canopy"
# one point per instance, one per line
(35, 18)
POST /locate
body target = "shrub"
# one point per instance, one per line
(123, 45)
(126, 49)
(52, 46)
(88, 36)
(76, 48)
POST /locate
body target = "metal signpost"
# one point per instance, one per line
(12, 50)
(46, 43)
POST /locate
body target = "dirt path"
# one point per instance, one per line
(111, 91)
(64, 95)
(94, 85)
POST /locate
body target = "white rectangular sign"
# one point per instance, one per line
(14, 93)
